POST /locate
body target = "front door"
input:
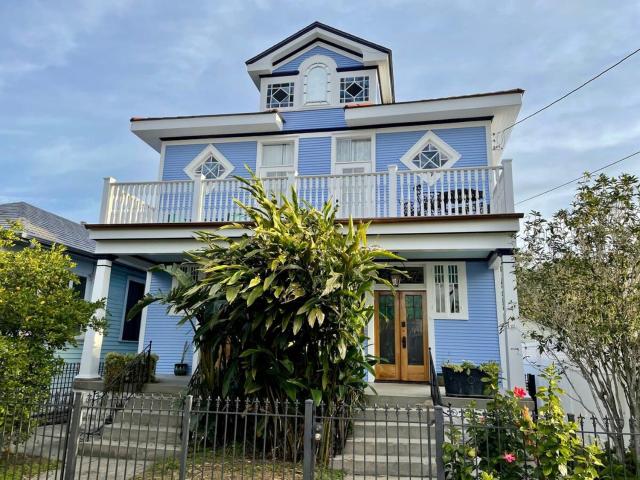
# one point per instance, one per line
(401, 336)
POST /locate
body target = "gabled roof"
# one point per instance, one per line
(370, 54)
(322, 26)
(46, 226)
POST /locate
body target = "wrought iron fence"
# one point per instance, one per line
(62, 382)
(157, 437)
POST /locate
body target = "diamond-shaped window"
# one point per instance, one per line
(211, 168)
(280, 95)
(430, 157)
(354, 89)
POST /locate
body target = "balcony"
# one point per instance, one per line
(474, 191)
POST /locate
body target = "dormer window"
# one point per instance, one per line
(280, 95)
(354, 89)
(316, 84)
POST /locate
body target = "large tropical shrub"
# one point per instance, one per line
(280, 313)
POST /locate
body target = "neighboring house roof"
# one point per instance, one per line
(46, 226)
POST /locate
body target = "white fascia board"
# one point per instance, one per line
(468, 226)
(153, 130)
(370, 56)
(445, 109)
(452, 244)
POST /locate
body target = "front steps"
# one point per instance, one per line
(393, 437)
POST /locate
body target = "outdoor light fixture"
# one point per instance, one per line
(395, 279)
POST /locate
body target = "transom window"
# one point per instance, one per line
(280, 95)
(430, 157)
(449, 290)
(211, 168)
(353, 150)
(316, 84)
(354, 89)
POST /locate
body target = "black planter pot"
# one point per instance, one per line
(459, 384)
(180, 369)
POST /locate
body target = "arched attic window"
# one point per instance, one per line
(316, 84)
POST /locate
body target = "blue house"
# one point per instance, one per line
(428, 174)
(126, 283)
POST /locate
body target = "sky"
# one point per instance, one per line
(72, 74)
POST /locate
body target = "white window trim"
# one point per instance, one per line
(431, 288)
(260, 170)
(430, 137)
(336, 166)
(130, 279)
(300, 95)
(191, 168)
(305, 84)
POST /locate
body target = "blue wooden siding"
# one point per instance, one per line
(341, 60)
(85, 268)
(162, 329)
(239, 154)
(469, 142)
(115, 315)
(313, 119)
(314, 156)
(475, 339)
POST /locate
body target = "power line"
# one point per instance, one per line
(577, 178)
(571, 92)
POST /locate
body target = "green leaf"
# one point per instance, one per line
(253, 296)
(255, 281)
(297, 325)
(232, 293)
(316, 395)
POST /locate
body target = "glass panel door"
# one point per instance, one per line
(414, 339)
(386, 336)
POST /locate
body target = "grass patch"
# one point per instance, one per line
(209, 466)
(18, 466)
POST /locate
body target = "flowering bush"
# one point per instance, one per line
(505, 442)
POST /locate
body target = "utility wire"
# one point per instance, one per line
(571, 92)
(577, 178)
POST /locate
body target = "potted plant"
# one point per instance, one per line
(182, 368)
(465, 379)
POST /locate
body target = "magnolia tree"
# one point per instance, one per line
(579, 288)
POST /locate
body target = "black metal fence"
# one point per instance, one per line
(62, 382)
(157, 437)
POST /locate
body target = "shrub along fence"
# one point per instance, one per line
(158, 437)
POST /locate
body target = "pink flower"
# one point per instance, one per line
(509, 457)
(519, 392)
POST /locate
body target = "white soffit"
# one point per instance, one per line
(152, 130)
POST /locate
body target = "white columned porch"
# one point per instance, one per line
(92, 346)
(509, 321)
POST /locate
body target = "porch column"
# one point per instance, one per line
(509, 321)
(92, 346)
(143, 315)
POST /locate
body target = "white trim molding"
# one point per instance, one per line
(355, 135)
(209, 150)
(463, 314)
(430, 138)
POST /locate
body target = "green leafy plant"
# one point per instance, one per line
(506, 442)
(280, 312)
(39, 315)
(466, 367)
(119, 369)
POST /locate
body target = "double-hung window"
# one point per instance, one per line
(449, 290)
(277, 162)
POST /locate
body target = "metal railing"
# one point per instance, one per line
(62, 382)
(158, 437)
(434, 387)
(394, 193)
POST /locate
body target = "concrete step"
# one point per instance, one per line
(392, 430)
(161, 418)
(399, 400)
(379, 447)
(397, 466)
(144, 433)
(380, 414)
(100, 447)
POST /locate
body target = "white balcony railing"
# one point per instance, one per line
(413, 193)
